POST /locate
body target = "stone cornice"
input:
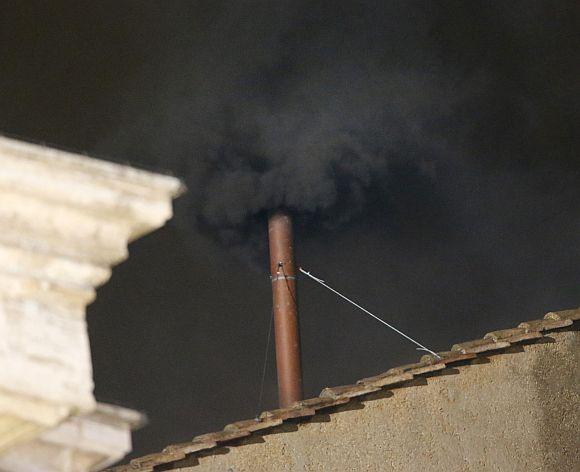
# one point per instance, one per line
(65, 220)
(99, 203)
(81, 443)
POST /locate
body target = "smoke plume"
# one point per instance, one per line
(312, 105)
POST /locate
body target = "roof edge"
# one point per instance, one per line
(493, 342)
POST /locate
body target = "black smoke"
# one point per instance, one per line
(311, 105)
(427, 149)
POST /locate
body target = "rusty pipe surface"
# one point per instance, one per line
(286, 329)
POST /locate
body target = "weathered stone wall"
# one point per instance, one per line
(513, 411)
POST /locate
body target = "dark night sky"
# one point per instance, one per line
(427, 149)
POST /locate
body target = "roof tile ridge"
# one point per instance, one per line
(525, 332)
(573, 314)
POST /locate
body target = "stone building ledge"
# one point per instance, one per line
(65, 220)
(82, 443)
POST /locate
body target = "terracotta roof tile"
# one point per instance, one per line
(287, 413)
(386, 379)
(573, 315)
(221, 436)
(350, 391)
(512, 335)
(147, 463)
(545, 324)
(479, 345)
(417, 368)
(318, 403)
(449, 357)
(255, 424)
(190, 447)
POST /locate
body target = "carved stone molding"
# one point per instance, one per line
(65, 220)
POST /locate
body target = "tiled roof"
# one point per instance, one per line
(526, 332)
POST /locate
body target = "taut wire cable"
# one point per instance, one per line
(265, 365)
(324, 284)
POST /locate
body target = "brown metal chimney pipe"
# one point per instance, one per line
(283, 276)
